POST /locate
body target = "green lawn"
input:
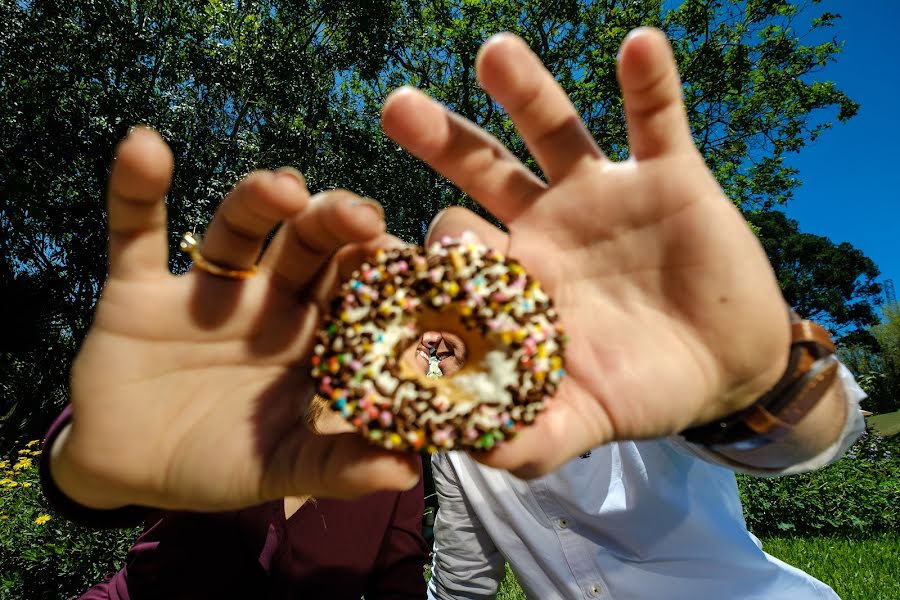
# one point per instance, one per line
(886, 424)
(509, 588)
(856, 569)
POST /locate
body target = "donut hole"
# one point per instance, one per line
(444, 331)
(435, 354)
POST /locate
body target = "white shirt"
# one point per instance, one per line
(633, 520)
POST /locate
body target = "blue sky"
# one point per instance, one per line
(850, 175)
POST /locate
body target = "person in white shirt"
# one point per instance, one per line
(678, 332)
(645, 519)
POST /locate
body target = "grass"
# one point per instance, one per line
(886, 424)
(857, 569)
(509, 588)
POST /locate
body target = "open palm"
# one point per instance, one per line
(674, 313)
(190, 392)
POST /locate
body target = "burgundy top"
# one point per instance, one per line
(332, 549)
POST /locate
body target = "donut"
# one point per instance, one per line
(512, 334)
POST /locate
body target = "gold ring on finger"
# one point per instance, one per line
(190, 244)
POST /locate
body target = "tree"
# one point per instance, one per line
(834, 284)
(261, 83)
(874, 357)
(887, 332)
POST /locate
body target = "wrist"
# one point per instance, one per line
(78, 483)
(821, 428)
(806, 380)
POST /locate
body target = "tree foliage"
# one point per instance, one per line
(235, 86)
(874, 356)
(834, 284)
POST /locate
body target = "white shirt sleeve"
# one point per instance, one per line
(854, 426)
(466, 563)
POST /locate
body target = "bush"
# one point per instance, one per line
(41, 554)
(859, 495)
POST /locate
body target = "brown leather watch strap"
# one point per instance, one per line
(812, 369)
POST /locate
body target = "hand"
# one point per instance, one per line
(190, 392)
(674, 313)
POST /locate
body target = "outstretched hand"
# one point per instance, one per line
(673, 310)
(190, 391)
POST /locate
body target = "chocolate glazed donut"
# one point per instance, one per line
(511, 331)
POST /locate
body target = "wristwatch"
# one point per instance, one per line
(812, 369)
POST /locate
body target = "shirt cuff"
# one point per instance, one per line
(854, 426)
(126, 516)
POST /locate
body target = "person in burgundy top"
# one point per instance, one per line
(292, 548)
(190, 395)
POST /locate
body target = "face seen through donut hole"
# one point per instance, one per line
(459, 350)
(436, 353)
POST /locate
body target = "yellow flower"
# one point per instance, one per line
(24, 463)
(12, 483)
(4, 517)
(32, 443)
(4, 464)
(26, 484)
(42, 519)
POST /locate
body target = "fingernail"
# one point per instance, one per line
(137, 127)
(391, 243)
(291, 173)
(436, 219)
(631, 34)
(429, 233)
(412, 482)
(511, 66)
(498, 37)
(370, 204)
(400, 91)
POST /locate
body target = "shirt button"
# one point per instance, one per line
(595, 590)
(563, 523)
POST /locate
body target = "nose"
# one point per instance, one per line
(431, 339)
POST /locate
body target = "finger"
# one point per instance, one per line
(341, 466)
(248, 214)
(454, 221)
(654, 111)
(307, 241)
(350, 258)
(462, 152)
(545, 117)
(138, 183)
(562, 427)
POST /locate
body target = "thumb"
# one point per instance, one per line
(454, 221)
(343, 466)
